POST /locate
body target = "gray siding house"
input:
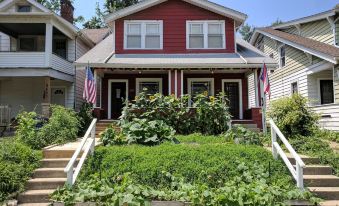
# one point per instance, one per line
(307, 52)
(37, 51)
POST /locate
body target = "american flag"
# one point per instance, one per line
(90, 92)
(266, 81)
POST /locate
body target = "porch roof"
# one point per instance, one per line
(103, 56)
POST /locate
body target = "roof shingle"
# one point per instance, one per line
(96, 35)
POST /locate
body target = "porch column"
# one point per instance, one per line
(46, 102)
(176, 82)
(48, 43)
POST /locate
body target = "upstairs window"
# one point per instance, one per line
(205, 35)
(143, 35)
(282, 56)
(24, 8)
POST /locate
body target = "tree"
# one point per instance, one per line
(97, 21)
(246, 32)
(277, 22)
(53, 5)
(113, 5)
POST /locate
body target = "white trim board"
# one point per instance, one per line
(110, 81)
(138, 80)
(239, 81)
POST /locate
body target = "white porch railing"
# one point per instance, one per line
(88, 141)
(297, 171)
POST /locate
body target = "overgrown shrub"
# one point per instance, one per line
(85, 117)
(327, 135)
(111, 137)
(207, 115)
(17, 162)
(60, 128)
(241, 135)
(293, 116)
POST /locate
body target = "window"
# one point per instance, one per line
(60, 47)
(24, 8)
(260, 43)
(98, 85)
(294, 88)
(326, 91)
(205, 35)
(282, 55)
(150, 86)
(201, 86)
(27, 44)
(143, 35)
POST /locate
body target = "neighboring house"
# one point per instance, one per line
(176, 47)
(308, 53)
(37, 51)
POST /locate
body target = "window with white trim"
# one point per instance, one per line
(143, 35)
(294, 88)
(150, 86)
(282, 56)
(197, 86)
(205, 35)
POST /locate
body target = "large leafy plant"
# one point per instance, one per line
(293, 116)
(241, 135)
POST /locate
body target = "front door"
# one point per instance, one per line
(326, 91)
(58, 96)
(118, 97)
(231, 90)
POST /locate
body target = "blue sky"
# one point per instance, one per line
(260, 12)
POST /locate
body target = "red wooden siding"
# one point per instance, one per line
(174, 14)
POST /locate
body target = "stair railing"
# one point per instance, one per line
(87, 145)
(296, 172)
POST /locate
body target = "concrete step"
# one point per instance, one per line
(45, 183)
(327, 193)
(49, 173)
(330, 203)
(307, 160)
(34, 204)
(35, 196)
(57, 154)
(248, 126)
(56, 163)
(318, 170)
(321, 180)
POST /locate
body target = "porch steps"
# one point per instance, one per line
(248, 124)
(320, 180)
(49, 177)
(102, 125)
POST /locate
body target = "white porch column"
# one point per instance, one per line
(48, 44)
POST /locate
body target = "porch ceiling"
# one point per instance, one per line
(15, 29)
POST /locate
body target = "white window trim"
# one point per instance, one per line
(205, 28)
(96, 83)
(292, 87)
(191, 80)
(141, 80)
(109, 115)
(319, 91)
(241, 113)
(143, 33)
(279, 52)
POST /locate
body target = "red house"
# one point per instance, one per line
(176, 47)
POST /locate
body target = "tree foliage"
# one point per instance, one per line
(246, 32)
(277, 22)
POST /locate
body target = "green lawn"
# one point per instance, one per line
(202, 170)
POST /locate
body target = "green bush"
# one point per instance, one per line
(327, 135)
(85, 117)
(293, 116)
(17, 162)
(111, 137)
(208, 115)
(241, 135)
(61, 127)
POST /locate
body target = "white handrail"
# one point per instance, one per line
(89, 138)
(297, 172)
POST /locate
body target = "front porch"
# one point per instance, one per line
(239, 85)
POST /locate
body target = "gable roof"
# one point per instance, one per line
(316, 48)
(315, 17)
(96, 35)
(205, 4)
(7, 3)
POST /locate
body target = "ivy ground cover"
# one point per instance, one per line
(201, 170)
